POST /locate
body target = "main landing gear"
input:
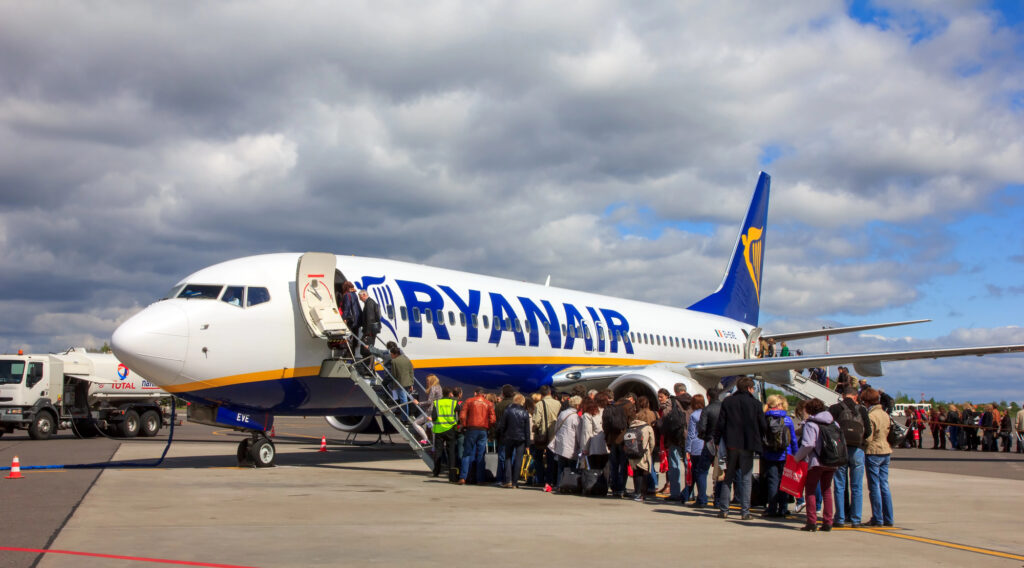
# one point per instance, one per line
(256, 451)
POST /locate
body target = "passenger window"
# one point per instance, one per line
(586, 332)
(451, 318)
(526, 324)
(476, 321)
(440, 317)
(563, 330)
(201, 291)
(547, 328)
(462, 319)
(391, 311)
(428, 316)
(519, 328)
(485, 321)
(233, 295)
(404, 312)
(416, 315)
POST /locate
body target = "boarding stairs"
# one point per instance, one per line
(376, 385)
(807, 388)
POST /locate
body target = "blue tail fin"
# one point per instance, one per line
(739, 295)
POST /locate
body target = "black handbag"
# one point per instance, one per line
(595, 484)
(571, 482)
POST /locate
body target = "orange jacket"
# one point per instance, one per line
(477, 413)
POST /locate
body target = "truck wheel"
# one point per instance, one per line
(262, 453)
(150, 424)
(243, 454)
(130, 424)
(42, 426)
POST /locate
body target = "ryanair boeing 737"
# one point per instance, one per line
(244, 340)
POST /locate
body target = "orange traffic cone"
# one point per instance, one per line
(323, 443)
(15, 469)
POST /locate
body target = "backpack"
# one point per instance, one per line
(777, 436)
(833, 446)
(852, 424)
(613, 421)
(633, 442)
(673, 426)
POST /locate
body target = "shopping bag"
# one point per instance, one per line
(663, 466)
(689, 472)
(793, 477)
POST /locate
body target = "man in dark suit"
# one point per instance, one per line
(741, 427)
(369, 321)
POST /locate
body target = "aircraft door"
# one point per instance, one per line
(750, 349)
(314, 290)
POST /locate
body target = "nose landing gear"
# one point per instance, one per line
(256, 451)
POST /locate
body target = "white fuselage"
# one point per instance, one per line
(480, 331)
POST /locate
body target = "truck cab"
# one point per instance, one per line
(26, 392)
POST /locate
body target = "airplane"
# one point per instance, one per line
(244, 340)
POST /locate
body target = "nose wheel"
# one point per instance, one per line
(257, 451)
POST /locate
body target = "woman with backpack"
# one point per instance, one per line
(780, 442)
(638, 443)
(812, 450)
(877, 452)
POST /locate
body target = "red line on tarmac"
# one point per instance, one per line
(118, 557)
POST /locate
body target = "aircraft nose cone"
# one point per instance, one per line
(153, 343)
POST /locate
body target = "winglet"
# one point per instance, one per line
(739, 295)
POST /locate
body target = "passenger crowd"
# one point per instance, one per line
(701, 449)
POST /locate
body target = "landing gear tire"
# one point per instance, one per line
(149, 424)
(42, 426)
(130, 424)
(243, 454)
(262, 452)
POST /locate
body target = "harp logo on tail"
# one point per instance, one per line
(752, 254)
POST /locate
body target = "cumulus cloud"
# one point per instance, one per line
(144, 141)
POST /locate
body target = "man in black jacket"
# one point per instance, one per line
(741, 427)
(369, 321)
(853, 420)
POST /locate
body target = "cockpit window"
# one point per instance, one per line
(205, 291)
(257, 296)
(11, 372)
(173, 293)
(233, 295)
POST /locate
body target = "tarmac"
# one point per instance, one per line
(377, 506)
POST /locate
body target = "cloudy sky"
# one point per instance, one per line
(611, 145)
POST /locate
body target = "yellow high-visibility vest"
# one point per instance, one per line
(446, 418)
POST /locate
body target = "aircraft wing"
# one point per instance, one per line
(793, 336)
(865, 364)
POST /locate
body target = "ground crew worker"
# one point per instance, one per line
(445, 417)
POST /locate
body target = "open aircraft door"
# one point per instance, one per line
(314, 290)
(750, 348)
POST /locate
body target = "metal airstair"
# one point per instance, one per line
(376, 385)
(807, 388)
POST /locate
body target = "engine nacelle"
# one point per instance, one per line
(647, 382)
(351, 424)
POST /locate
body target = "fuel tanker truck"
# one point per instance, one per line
(88, 393)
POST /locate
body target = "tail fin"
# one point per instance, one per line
(739, 295)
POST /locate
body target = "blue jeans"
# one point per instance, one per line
(701, 465)
(777, 501)
(401, 396)
(675, 470)
(878, 489)
(739, 468)
(499, 448)
(854, 471)
(513, 454)
(617, 463)
(476, 447)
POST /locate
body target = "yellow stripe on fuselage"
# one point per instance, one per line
(278, 374)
